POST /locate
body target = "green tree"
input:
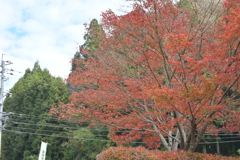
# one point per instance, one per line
(85, 145)
(94, 33)
(32, 97)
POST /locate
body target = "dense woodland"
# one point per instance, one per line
(165, 76)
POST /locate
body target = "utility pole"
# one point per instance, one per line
(3, 78)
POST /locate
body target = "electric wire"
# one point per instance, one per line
(15, 131)
(81, 123)
(76, 128)
(57, 117)
(50, 118)
(62, 127)
(14, 122)
(61, 132)
(20, 132)
(29, 119)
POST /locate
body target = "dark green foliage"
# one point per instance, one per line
(94, 34)
(33, 96)
(90, 46)
(36, 93)
(86, 145)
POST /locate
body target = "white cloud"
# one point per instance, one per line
(47, 31)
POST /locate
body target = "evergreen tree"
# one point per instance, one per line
(94, 33)
(32, 97)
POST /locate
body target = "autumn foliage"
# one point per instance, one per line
(140, 153)
(162, 73)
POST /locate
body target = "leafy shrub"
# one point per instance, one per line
(140, 153)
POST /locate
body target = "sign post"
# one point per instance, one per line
(43, 150)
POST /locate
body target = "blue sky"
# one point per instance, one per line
(48, 31)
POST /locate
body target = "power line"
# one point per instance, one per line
(20, 132)
(51, 118)
(15, 122)
(85, 134)
(33, 119)
(71, 120)
(77, 128)
(54, 131)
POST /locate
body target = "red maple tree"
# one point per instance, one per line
(162, 72)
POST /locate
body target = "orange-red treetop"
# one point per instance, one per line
(161, 72)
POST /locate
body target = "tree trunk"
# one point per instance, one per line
(192, 147)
